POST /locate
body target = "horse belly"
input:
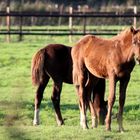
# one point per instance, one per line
(96, 69)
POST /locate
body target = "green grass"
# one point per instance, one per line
(17, 100)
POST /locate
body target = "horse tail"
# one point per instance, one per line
(75, 76)
(37, 68)
(75, 71)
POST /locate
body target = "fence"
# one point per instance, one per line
(8, 31)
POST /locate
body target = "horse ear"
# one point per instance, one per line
(133, 30)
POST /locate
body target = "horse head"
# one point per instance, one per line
(136, 43)
(103, 113)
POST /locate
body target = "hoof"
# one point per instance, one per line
(93, 127)
(85, 128)
(108, 129)
(94, 124)
(35, 123)
(121, 131)
(60, 123)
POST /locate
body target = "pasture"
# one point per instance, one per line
(17, 100)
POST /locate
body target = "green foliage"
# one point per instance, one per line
(61, 6)
(17, 101)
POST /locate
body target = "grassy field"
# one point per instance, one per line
(17, 100)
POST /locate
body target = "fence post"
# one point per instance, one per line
(20, 29)
(85, 22)
(20, 22)
(70, 23)
(84, 28)
(60, 12)
(135, 19)
(134, 8)
(8, 22)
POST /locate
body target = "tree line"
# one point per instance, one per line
(44, 5)
(63, 6)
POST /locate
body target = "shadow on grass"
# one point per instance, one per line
(9, 115)
(129, 108)
(48, 104)
(21, 106)
(131, 112)
(15, 133)
(62, 106)
(5, 104)
(29, 106)
(2, 116)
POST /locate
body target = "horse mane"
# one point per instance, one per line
(119, 38)
(122, 34)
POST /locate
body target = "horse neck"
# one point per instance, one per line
(126, 45)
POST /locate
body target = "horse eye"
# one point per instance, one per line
(136, 42)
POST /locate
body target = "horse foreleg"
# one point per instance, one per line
(111, 100)
(56, 102)
(123, 86)
(38, 99)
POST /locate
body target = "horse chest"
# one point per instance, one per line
(124, 69)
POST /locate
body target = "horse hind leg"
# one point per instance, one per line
(79, 80)
(81, 92)
(56, 102)
(90, 91)
(38, 99)
(92, 111)
(82, 106)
